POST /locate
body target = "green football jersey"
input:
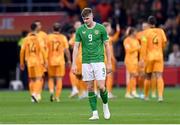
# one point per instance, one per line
(92, 40)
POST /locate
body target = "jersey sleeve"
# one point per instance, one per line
(164, 38)
(77, 36)
(105, 36)
(22, 52)
(66, 45)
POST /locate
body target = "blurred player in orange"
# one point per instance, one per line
(156, 42)
(30, 53)
(141, 67)
(57, 46)
(132, 47)
(112, 39)
(43, 43)
(78, 86)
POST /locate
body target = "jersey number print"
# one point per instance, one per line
(90, 37)
(55, 45)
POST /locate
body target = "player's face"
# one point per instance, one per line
(88, 20)
(39, 26)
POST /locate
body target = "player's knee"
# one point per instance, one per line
(148, 76)
(90, 88)
(158, 75)
(102, 87)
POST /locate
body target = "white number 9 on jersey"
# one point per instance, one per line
(90, 37)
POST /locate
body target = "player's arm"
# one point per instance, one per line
(72, 41)
(66, 50)
(67, 53)
(75, 53)
(115, 37)
(22, 56)
(108, 54)
(44, 54)
(164, 38)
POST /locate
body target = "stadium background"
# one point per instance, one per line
(17, 15)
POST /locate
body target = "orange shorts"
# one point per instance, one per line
(154, 66)
(35, 71)
(132, 68)
(56, 71)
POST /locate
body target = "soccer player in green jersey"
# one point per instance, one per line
(94, 40)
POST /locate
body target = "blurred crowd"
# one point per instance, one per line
(123, 12)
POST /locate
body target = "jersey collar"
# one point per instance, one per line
(91, 27)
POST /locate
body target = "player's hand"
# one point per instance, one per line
(118, 28)
(141, 63)
(109, 68)
(74, 69)
(46, 66)
(22, 67)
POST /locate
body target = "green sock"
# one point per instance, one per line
(93, 100)
(104, 96)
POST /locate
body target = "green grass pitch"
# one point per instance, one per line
(16, 107)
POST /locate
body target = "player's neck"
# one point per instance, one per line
(34, 32)
(56, 32)
(91, 25)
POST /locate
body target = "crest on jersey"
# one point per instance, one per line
(83, 32)
(96, 32)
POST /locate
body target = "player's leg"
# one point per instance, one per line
(88, 77)
(100, 76)
(51, 87)
(128, 86)
(32, 82)
(133, 82)
(147, 83)
(40, 82)
(39, 88)
(110, 79)
(51, 81)
(58, 88)
(59, 73)
(160, 86)
(109, 85)
(141, 84)
(74, 83)
(92, 100)
(159, 65)
(153, 85)
(82, 89)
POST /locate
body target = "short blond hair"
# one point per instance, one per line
(86, 11)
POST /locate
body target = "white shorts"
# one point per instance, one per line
(93, 71)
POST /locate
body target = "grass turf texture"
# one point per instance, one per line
(16, 107)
